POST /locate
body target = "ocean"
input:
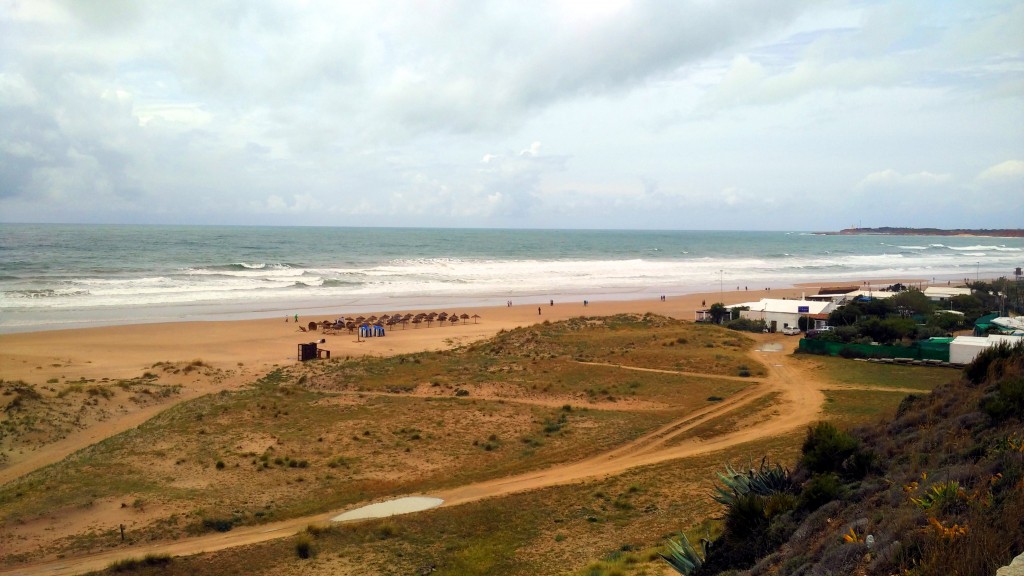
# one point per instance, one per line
(66, 276)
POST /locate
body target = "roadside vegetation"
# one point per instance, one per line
(937, 489)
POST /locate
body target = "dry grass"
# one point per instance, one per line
(602, 527)
(324, 436)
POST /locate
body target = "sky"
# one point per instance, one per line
(669, 114)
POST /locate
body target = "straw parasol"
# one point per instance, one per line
(475, 318)
(464, 317)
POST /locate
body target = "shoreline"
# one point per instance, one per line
(211, 312)
(127, 350)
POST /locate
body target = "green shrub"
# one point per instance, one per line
(746, 325)
(826, 448)
(132, 564)
(304, 547)
(1007, 401)
(820, 490)
(990, 362)
(218, 524)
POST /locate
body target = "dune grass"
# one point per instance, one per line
(323, 436)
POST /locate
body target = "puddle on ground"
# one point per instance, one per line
(395, 507)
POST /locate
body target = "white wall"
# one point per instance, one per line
(963, 349)
(781, 318)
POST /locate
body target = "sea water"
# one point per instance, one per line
(64, 276)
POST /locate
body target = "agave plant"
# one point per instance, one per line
(944, 496)
(765, 480)
(682, 557)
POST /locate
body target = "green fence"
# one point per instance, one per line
(923, 350)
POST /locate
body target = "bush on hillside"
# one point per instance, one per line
(942, 496)
(992, 362)
(1006, 401)
(826, 448)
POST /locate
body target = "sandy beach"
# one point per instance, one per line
(240, 351)
(251, 346)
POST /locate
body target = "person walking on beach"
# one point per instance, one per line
(296, 318)
(538, 310)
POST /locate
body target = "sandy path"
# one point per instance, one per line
(802, 398)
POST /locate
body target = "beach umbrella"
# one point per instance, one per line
(475, 318)
(360, 319)
(464, 317)
(416, 322)
(454, 319)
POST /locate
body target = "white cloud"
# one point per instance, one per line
(1008, 170)
(892, 178)
(533, 150)
(301, 204)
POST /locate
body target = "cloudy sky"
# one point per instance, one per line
(670, 114)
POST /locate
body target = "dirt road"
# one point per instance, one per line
(801, 400)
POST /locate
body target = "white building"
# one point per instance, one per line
(940, 293)
(849, 296)
(779, 314)
(964, 349)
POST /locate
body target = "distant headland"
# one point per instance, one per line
(894, 231)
